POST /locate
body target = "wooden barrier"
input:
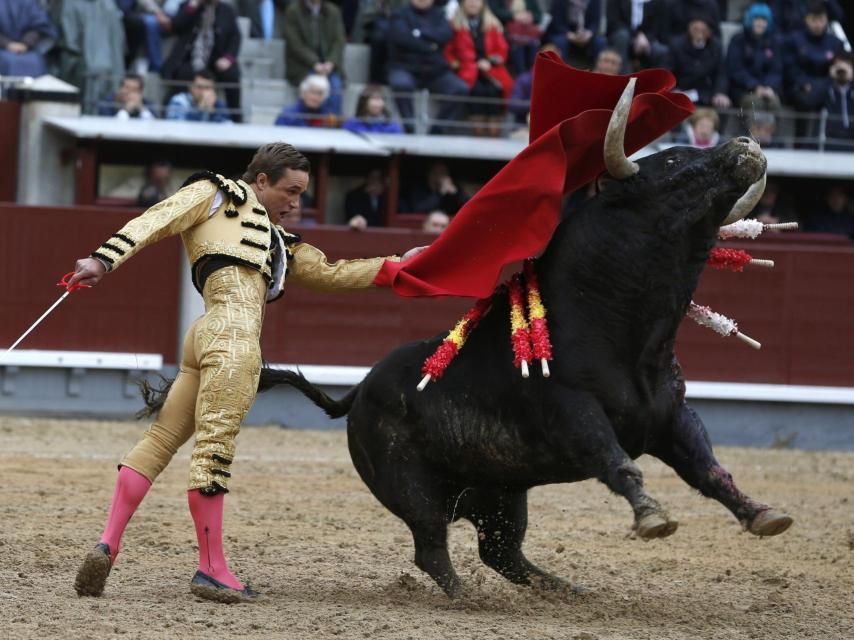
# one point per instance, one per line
(802, 311)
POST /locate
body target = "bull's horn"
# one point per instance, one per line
(616, 162)
(746, 202)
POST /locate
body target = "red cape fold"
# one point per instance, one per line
(513, 216)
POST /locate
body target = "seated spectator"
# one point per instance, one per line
(839, 103)
(702, 129)
(314, 44)
(834, 215)
(145, 21)
(262, 16)
(208, 39)
(608, 62)
(478, 52)
(574, 29)
(90, 51)
(763, 129)
(157, 187)
(640, 32)
(372, 27)
(417, 38)
(438, 191)
(520, 97)
(127, 103)
(364, 206)
(755, 61)
(372, 115)
(772, 208)
(790, 13)
(436, 222)
(810, 51)
(683, 12)
(311, 108)
(521, 20)
(699, 67)
(26, 34)
(199, 103)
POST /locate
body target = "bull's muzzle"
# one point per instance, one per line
(750, 160)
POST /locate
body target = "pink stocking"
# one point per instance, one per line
(131, 488)
(207, 516)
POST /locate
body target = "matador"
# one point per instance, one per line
(239, 260)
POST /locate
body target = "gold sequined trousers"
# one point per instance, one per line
(216, 383)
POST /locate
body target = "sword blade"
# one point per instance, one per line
(34, 325)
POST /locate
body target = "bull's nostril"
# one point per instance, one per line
(744, 140)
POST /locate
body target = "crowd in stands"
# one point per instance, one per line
(474, 56)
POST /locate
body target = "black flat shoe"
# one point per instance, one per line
(209, 588)
(92, 575)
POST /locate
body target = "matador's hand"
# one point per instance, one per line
(88, 271)
(412, 253)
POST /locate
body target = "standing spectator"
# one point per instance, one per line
(157, 187)
(262, 16)
(478, 52)
(199, 103)
(314, 41)
(682, 12)
(574, 29)
(26, 34)
(839, 103)
(91, 46)
(438, 191)
(208, 39)
(699, 67)
(834, 214)
(312, 108)
(810, 51)
(640, 32)
(372, 115)
(364, 206)
(418, 35)
(127, 103)
(436, 222)
(521, 20)
(372, 27)
(790, 14)
(608, 62)
(755, 61)
(145, 21)
(702, 129)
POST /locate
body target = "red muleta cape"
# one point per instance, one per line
(513, 216)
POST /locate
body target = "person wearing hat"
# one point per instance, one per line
(755, 61)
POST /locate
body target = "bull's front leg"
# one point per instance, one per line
(689, 451)
(588, 443)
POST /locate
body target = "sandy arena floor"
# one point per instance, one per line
(332, 562)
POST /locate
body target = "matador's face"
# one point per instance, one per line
(283, 196)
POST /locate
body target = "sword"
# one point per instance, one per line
(69, 290)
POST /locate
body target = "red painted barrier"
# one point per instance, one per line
(802, 311)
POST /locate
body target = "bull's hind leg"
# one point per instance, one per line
(501, 519)
(689, 452)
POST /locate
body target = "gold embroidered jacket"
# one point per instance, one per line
(238, 230)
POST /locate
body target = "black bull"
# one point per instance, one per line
(616, 278)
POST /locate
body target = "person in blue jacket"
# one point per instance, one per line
(755, 61)
(809, 54)
(372, 115)
(839, 103)
(312, 109)
(574, 29)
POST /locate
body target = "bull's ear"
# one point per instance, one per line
(604, 181)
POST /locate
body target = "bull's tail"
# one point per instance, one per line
(154, 395)
(334, 408)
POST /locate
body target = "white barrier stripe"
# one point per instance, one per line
(83, 359)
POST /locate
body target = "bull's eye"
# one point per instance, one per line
(671, 162)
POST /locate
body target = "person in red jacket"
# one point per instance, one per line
(478, 55)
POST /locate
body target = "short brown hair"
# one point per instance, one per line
(273, 159)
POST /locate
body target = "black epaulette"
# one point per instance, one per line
(236, 193)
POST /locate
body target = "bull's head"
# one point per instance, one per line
(727, 180)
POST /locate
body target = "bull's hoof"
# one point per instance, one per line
(770, 523)
(656, 525)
